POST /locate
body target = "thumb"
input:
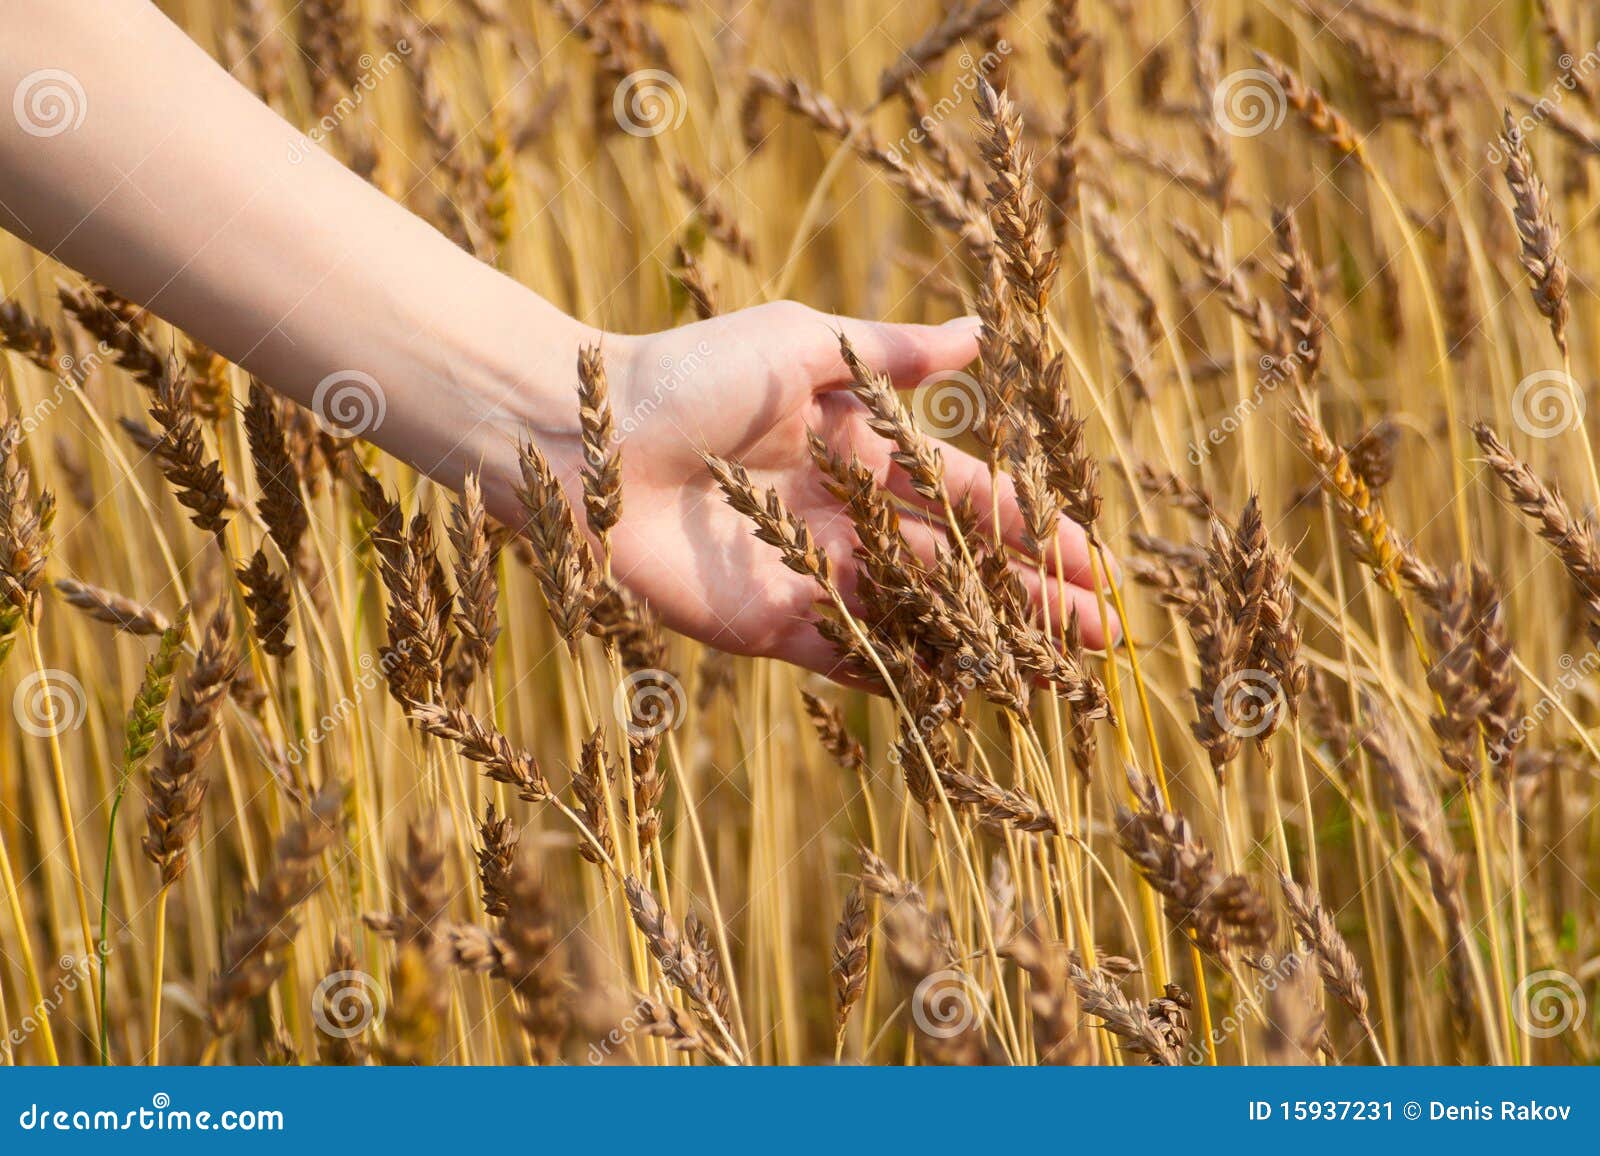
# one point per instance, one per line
(907, 354)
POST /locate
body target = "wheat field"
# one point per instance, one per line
(305, 759)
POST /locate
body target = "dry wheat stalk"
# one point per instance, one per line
(281, 505)
(849, 969)
(1220, 910)
(721, 225)
(1131, 1024)
(533, 961)
(347, 1046)
(177, 788)
(253, 950)
(1052, 998)
(602, 461)
(267, 597)
(1573, 540)
(22, 333)
(1541, 236)
(476, 615)
(112, 608)
(1312, 107)
(959, 22)
(563, 562)
(1341, 974)
(187, 464)
(481, 743)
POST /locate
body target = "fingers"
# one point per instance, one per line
(966, 477)
(1063, 598)
(907, 354)
(1051, 601)
(810, 650)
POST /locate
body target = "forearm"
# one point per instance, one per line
(181, 191)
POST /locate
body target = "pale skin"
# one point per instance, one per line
(182, 191)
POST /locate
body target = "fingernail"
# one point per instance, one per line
(972, 323)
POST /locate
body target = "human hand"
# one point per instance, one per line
(747, 387)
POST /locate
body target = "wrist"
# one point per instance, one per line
(500, 365)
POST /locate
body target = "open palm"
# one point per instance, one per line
(747, 387)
